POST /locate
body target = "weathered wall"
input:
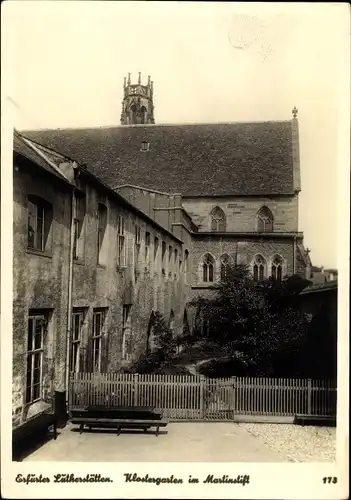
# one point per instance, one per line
(241, 212)
(40, 282)
(246, 249)
(160, 283)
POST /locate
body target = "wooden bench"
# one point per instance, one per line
(35, 426)
(118, 423)
(318, 420)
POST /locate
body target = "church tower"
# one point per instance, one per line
(137, 104)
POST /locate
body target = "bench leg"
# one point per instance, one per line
(55, 431)
(145, 429)
(157, 429)
(81, 428)
(118, 431)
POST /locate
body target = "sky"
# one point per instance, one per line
(210, 62)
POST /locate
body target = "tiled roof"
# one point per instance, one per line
(320, 287)
(20, 147)
(194, 160)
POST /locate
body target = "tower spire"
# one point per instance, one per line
(137, 104)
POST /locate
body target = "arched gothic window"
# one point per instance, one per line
(208, 268)
(259, 267)
(264, 220)
(218, 221)
(225, 264)
(143, 114)
(277, 267)
(133, 111)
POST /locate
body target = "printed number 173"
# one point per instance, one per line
(328, 480)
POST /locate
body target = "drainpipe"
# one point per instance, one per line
(294, 255)
(70, 285)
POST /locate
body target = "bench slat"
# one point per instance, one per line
(84, 420)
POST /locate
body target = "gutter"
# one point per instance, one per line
(69, 300)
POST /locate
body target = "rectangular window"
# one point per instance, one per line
(98, 323)
(37, 327)
(39, 223)
(121, 242)
(155, 247)
(78, 241)
(186, 265)
(126, 332)
(175, 262)
(147, 246)
(77, 324)
(164, 248)
(102, 223)
(137, 243)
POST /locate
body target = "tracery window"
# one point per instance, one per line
(277, 267)
(208, 268)
(225, 264)
(259, 267)
(264, 220)
(218, 220)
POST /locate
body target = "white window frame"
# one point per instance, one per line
(97, 339)
(32, 352)
(121, 242)
(34, 207)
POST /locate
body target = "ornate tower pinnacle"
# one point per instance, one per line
(137, 104)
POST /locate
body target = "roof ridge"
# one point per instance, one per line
(157, 125)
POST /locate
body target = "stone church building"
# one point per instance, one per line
(114, 223)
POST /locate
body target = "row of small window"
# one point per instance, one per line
(259, 267)
(264, 220)
(40, 219)
(37, 335)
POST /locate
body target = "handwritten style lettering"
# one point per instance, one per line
(131, 478)
(227, 480)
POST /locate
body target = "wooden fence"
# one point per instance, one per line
(200, 398)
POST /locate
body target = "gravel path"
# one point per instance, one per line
(296, 443)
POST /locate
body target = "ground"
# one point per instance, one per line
(194, 442)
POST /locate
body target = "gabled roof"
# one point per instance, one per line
(22, 148)
(194, 160)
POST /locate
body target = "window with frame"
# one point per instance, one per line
(259, 268)
(39, 223)
(175, 262)
(121, 242)
(147, 246)
(98, 325)
(78, 240)
(126, 332)
(77, 325)
(218, 220)
(170, 255)
(264, 220)
(102, 224)
(156, 243)
(277, 267)
(137, 243)
(186, 265)
(164, 248)
(37, 329)
(208, 269)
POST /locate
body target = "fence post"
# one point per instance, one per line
(136, 389)
(309, 397)
(202, 395)
(232, 397)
